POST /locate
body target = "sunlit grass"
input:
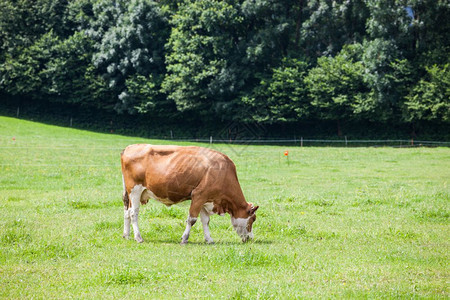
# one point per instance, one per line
(334, 222)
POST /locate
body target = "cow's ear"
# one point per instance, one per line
(249, 208)
(253, 210)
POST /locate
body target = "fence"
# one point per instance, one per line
(301, 142)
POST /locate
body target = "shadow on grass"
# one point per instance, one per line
(156, 240)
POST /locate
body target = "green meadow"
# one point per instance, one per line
(332, 223)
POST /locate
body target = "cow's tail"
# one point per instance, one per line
(126, 200)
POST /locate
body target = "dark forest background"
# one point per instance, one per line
(363, 68)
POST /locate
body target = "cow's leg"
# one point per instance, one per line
(189, 223)
(126, 216)
(135, 198)
(194, 210)
(204, 216)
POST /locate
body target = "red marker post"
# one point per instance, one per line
(286, 154)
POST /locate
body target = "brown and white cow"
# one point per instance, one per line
(171, 174)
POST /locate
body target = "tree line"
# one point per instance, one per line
(263, 61)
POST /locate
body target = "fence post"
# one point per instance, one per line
(301, 141)
(210, 140)
(18, 110)
(346, 141)
(71, 121)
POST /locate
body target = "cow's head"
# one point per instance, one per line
(243, 225)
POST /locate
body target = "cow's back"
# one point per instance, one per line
(173, 172)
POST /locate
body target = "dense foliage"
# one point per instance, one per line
(263, 61)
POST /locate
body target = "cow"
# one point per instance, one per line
(172, 174)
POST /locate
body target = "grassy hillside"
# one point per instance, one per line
(333, 222)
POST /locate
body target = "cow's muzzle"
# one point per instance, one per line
(248, 237)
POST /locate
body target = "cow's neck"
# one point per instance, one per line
(237, 206)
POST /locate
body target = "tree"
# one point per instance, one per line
(329, 25)
(378, 58)
(130, 39)
(430, 98)
(28, 31)
(282, 97)
(202, 76)
(22, 22)
(23, 74)
(70, 75)
(337, 88)
(429, 32)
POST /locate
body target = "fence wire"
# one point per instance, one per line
(311, 142)
(241, 141)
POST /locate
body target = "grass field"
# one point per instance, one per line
(333, 223)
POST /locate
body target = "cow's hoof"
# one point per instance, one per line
(138, 239)
(183, 242)
(210, 242)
